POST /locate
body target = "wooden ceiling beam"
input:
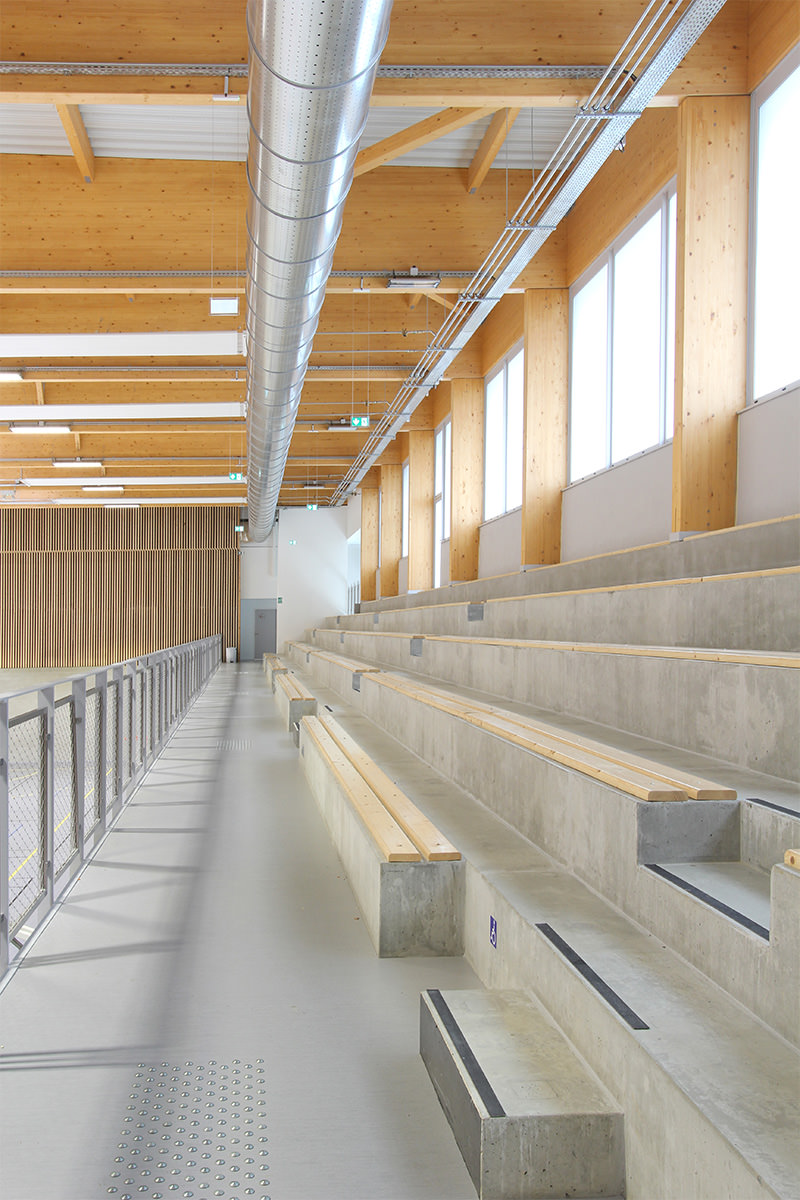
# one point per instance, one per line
(420, 134)
(78, 138)
(489, 148)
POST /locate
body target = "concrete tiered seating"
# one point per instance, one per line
(615, 766)
(753, 610)
(757, 547)
(657, 1034)
(740, 707)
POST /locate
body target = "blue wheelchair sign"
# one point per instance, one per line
(493, 931)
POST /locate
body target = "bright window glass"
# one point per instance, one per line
(441, 503)
(622, 345)
(494, 449)
(404, 547)
(776, 344)
(503, 415)
(588, 414)
(636, 378)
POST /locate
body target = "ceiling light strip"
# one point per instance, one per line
(240, 71)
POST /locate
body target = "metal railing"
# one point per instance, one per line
(71, 755)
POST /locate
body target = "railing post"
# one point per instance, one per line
(4, 839)
(47, 810)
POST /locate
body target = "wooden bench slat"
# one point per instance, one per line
(385, 831)
(294, 688)
(423, 833)
(635, 783)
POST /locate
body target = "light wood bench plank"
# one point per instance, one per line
(423, 833)
(384, 830)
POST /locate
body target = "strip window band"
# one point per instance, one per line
(710, 900)
(462, 1047)
(599, 984)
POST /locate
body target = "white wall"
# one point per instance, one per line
(312, 569)
(500, 545)
(258, 565)
(628, 505)
(768, 479)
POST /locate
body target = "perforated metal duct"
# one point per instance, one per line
(312, 67)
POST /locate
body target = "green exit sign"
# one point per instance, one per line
(238, 529)
(359, 422)
(235, 476)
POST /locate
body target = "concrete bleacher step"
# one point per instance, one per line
(737, 890)
(527, 1117)
(738, 706)
(758, 546)
(751, 610)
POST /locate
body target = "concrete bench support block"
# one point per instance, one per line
(410, 908)
(528, 1118)
(292, 710)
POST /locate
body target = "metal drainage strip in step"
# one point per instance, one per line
(193, 1130)
(235, 744)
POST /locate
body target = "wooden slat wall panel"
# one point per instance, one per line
(86, 586)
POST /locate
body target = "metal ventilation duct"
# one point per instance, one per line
(312, 67)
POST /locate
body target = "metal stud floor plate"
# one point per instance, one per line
(193, 1130)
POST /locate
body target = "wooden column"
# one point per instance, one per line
(466, 509)
(420, 509)
(711, 308)
(370, 504)
(545, 423)
(391, 527)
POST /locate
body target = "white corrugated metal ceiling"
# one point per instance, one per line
(219, 132)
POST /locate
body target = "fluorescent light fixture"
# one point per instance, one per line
(101, 487)
(41, 428)
(77, 462)
(413, 281)
(340, 427)
(206, 343)
(224, 306)
(136, 480)
(202, 410)
(10, 377)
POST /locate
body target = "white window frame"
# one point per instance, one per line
(501, 369)
(762, 93)
(606, 260)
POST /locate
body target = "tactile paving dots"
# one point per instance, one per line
(193, 1130)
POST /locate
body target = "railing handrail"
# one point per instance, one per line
(136, 661)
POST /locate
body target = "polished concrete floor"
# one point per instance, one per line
(204, 1015)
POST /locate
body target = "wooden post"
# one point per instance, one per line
(370, 501)
(466, 510)
(711, 308)
(420, 509)
(391, 527)
(545, 423)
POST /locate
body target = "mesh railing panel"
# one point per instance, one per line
(112, 733)
(127, 728)
(139, 745)
(27, 747)
(65, 831)
(92, 765)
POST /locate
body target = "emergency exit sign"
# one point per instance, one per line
(359, 422)
(235, 476)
